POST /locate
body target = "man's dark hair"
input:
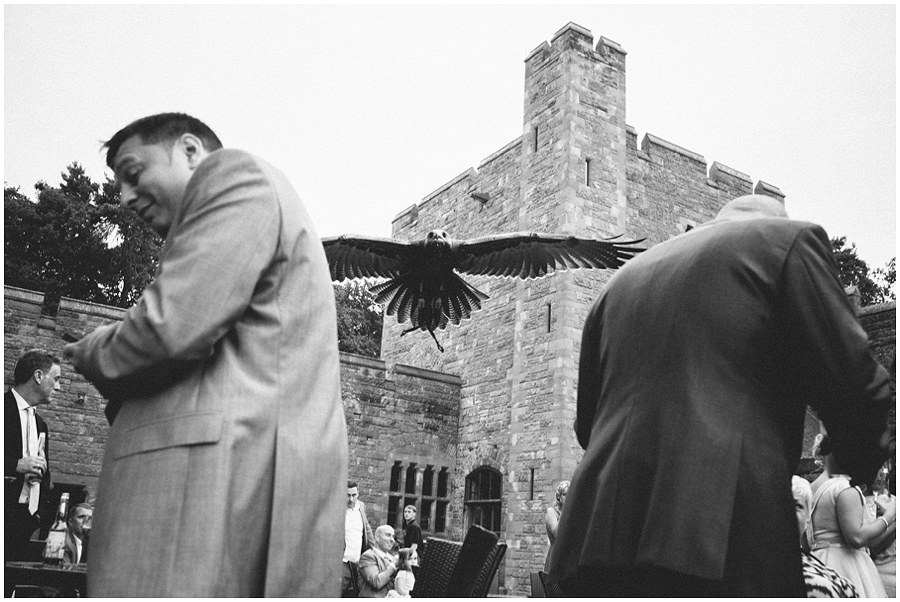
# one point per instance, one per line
(34, 359)
(352, 484)
(76, 507)
(164, 127)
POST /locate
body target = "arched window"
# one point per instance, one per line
(484, 491)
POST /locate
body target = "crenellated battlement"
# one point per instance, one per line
(577, 168)
(572, 36)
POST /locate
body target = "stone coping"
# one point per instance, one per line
(450, 379)
(91, 309)
(877, 308)
(768, 189)
(21, 294)
(365, 361)
(656, 141)
(718, 167)
(500, 152)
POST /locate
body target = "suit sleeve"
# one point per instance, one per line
(207, 275)
(589, 379)
(12, 442)
(369, 535)
(836, 372)
(371, 574)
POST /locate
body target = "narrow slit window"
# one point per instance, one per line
(549, 317)
(531, 493)
(534, 139)
(587, 172)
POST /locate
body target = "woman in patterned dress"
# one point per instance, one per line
(821, 581)
(837, 531)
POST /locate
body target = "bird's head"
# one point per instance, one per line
(437, 242)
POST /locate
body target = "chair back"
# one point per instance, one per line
(537, 586)
(476, 552)
(551, 590)
(483, 583)
(437, 563)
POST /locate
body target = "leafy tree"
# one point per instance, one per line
(133, 247)
(76, 241)
(854, 271)
(886, 277)
(359, 319)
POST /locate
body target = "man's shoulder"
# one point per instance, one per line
(228, 158)
(369, 555)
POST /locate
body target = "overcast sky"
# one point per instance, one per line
(368, 109)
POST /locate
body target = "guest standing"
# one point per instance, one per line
(838, 532)
(226, 460)
(821, 581)
(551, 517)
(25, 464)
(698, 361)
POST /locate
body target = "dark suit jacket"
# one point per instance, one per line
(12, 442)
(697, 363)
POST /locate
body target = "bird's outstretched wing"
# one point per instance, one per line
(351, 256)
(531, 255)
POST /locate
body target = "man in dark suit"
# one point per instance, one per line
(26, 471)
(79, 521)
(698, 361)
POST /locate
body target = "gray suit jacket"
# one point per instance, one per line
(226, 464)
(697, 363)
(376, 574)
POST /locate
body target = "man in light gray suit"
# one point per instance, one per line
(226, 461)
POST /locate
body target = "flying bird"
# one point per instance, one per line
(424, 285)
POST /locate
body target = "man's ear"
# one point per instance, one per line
(193, 149)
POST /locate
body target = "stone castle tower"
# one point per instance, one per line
(482, 433)
(575, 170)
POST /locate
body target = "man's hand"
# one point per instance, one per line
(33, 465)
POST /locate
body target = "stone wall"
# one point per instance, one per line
(502, 396)
(403, 414)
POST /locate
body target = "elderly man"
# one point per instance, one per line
(227, 453)
(698, 361)
(79, 523)
(378, 566)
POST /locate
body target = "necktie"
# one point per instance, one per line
(31, 492)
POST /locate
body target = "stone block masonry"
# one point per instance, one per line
(482, 433)
(578, 169)
(407, 414)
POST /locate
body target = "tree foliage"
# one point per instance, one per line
(76, 241)
(359, 319)
(874, 286)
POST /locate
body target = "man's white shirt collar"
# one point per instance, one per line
(20, 401)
